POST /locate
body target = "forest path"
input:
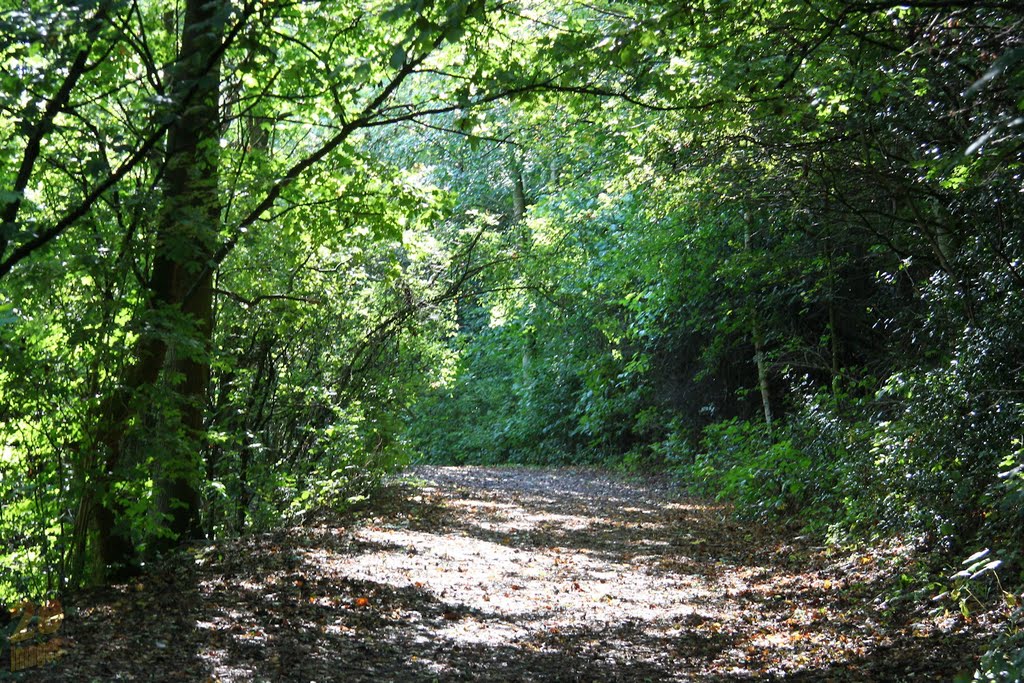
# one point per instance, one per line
(509, 574)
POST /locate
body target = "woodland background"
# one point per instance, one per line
(256, 255)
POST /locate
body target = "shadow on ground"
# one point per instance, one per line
(490, 574)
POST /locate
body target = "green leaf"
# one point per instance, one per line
(398, 57)
(7, 316)
(455, 33)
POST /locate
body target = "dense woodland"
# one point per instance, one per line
(256, 254)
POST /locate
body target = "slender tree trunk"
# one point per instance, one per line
(833, 334)
(762, 373)
(518, 187)
(519, 205)
(833, 328)
(757, 337)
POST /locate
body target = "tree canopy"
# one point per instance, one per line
(255, 254)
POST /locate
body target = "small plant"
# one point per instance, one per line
(1004, 660)
(972, 590)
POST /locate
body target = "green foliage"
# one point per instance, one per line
(1004, 662)
(970, 590)
(120, 392)
(816, 221)
(773, 248)
(766, 477)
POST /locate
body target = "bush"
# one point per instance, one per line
(764, 477)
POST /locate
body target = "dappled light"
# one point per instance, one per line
(486, 574)
(761, 259)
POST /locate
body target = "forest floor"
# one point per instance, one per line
(514, 574)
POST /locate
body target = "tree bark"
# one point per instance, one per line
(188, 239)
(757, 337)
(833, 327)
(518, 188)
(175, 348)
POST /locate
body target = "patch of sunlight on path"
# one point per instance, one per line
(520, 562)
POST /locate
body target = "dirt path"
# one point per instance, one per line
(511, 575)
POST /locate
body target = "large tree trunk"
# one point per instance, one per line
(182, 281)
(99, 503)
(181, 297)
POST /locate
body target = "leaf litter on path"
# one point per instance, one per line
(508, 574)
